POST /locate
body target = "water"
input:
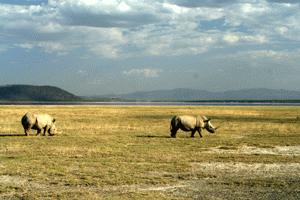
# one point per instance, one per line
(144, 103)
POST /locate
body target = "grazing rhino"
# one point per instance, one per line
(191, 123)
(38, 122)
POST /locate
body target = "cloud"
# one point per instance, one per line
(224, 3)
(146, 72)
(233, 38)
(24, 2)
(113, 13)
(130, 28)
(105, 50)
(96, 26)
(47, 47)
(204, 3)
(285, 1)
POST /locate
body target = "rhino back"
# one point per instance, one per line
(188, 122)
(44, 120)
(29, 119)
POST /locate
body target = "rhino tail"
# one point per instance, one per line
(174, 123)
(24, 122)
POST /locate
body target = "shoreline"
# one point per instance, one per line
(156, 103)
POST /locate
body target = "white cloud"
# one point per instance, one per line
(105, 50)
(97, 13)
(282, 30)
(52, 47)
(146, 72)
(123, 7)
(203, 3)
(103, 42)
(51, 28)
(191, 33)
(249, 9)
(231, 38)
(48, 47)
(119, 28)
(259, 39)
(175, 9)
(25, 45)
(273, 20)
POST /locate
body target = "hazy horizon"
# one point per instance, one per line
(155, 90)
(95, 47)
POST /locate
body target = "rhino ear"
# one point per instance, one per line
(207, 120)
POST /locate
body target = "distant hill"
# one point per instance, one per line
(35, 93)
(50, 93)
(183, 94)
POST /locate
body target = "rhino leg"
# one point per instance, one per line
(49, 133)
(173, 133)
(26, 131)
(174, 127)
(38, 132)
(193, 133)
(199, 131)
(44, 131)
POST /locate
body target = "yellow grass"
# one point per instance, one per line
(126, 152)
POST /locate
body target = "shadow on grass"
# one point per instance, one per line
(153, 136)
(11, 135)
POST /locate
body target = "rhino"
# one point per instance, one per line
(191, 123)
(38, 122)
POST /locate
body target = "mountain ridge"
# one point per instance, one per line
(35, 93)
(185, 94)
(52, 93)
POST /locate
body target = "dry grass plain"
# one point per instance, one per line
(126, 152)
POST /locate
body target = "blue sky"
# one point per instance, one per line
(93, 47)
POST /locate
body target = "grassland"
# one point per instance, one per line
(125, 152)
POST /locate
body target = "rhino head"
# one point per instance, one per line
(52, 130)
(208, 126)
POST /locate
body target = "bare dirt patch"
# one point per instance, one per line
(11, 180)
(143, 188)
(246, 169)
(237, 180)
(276, 150)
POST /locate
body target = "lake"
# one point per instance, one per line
(158, 103)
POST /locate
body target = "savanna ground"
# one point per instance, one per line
(125, 152)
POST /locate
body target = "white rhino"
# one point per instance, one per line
(38, 122)
(191, 123)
